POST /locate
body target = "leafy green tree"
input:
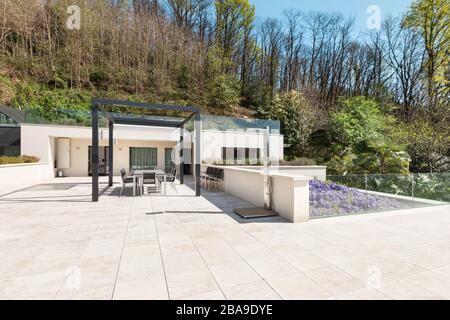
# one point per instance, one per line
(297, 118)
(223, 90)
(432, 19)
(364, 139)
(387, 157)
(234, 20)
(358, 120)
(428, 142)
(256, 95)
(342, 164)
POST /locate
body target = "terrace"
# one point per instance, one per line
(57, 244)
(74, 238)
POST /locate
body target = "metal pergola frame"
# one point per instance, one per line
(160, 122)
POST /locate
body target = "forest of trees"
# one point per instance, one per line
(372, 102)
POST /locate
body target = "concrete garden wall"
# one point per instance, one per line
(24, 173)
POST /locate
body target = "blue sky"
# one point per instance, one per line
(354, 8)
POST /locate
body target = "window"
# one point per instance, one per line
(168, 161)
(242, 156)
(103, 161)
(143, 158)
(12, 151)
(4, 119)
(9, 141)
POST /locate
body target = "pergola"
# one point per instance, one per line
(159, 121)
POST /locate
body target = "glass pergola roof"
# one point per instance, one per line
(144, 119)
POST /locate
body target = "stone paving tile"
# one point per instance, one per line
(334, 280)
(211, 295)
(59, 245)
(258, 290)
(433, 282)
(297, 286)
(363, 294)
(36, 286)
(403, 289)
(144, 288)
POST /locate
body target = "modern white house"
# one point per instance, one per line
(238, 147)
(68, 148)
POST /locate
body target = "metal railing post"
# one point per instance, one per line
(111, 154)
(94, 153)
(198, 160)
(182, 155)
(366, 187)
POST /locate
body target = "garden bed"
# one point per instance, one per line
(331, 199)
(17, 160)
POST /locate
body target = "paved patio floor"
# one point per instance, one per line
(56, 244)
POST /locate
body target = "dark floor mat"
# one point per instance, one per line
(252, 213)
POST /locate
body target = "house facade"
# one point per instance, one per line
(68, 148)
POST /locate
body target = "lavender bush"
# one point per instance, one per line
(328, 198)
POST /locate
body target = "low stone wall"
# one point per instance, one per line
(289, 196)
(24, 173)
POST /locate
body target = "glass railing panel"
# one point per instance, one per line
(432, 186)
(359, 193)
(389, 192)
(64, 117)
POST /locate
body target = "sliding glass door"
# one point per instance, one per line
(103, 161)
(143, 158)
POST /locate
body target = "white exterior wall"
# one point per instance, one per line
(12, 175)
(290, 193)
(290, 197)
(214, 141)
(79, 154)
(41, 141)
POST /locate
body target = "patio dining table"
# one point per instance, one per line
(159, 173)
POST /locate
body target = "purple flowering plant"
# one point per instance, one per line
(329, 198)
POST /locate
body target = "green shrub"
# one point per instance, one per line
(358, 120)
(422, 185)
(298, 162)
(224, 92)
(57, 83)
(99, 76)
(297, 117)
(20, 159)
(364, 141)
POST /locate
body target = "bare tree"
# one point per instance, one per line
(271, 36)
(405, 55)
(292, 47)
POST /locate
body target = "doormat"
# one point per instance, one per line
(252, 213)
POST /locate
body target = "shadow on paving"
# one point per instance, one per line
(226, 204)
(69, 198)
